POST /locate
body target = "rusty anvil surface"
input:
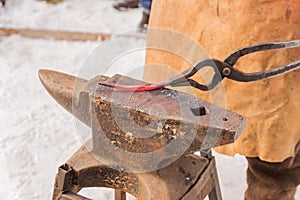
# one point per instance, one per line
(142, 122)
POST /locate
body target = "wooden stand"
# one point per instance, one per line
(190, 177)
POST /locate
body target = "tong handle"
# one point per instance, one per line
(234, 56)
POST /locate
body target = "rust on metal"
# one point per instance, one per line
(165, 114)
(206, 182)
(61, 87)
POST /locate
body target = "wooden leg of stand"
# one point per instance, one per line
(215, 194)
(119, 195)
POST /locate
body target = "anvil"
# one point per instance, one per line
(135, 124)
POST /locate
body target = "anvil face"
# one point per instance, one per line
(142, 129)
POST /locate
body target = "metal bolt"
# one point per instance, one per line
(226, 71)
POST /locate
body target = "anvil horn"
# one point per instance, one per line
(69, 91)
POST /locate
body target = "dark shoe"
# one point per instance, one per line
(126, 4)
(144, 22)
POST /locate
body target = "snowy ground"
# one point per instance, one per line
(37, 135)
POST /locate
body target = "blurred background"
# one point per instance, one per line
(37, 135)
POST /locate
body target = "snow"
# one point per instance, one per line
(37, 135)
(73, 15)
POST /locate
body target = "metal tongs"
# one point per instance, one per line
(222, 69)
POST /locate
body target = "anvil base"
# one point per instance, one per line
(190, 177)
